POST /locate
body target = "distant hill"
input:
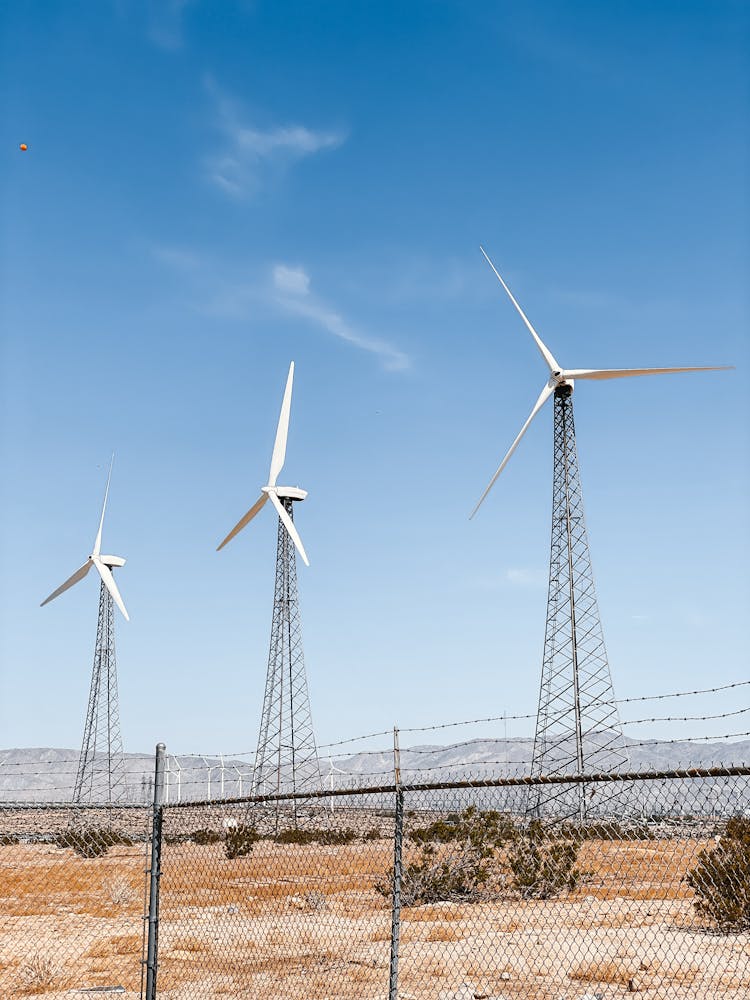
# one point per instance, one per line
(48, 775)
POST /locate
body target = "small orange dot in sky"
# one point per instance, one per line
(23, 147)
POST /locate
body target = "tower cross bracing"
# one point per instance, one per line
(100, 777)
(286, 759)
(578, 728)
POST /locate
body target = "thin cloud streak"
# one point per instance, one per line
(286, 289)
(250, 152)
(292, 287)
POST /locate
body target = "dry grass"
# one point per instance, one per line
(304, 921)
(118, 944)
(443, 933)
(604, 970)
(431, 912)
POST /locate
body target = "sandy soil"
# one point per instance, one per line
(298, 922)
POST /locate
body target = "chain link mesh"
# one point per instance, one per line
(276, 900)
(72, 882)
(294, 898)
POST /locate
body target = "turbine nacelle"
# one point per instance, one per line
(111, 561)
(271, 491)
(292, 492)
(561, 380)
(558, 382)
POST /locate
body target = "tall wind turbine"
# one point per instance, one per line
(578, 728)
(100, 777)
(286, 758)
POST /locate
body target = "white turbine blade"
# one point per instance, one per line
(543, 397)
(98, 542)
(279, 447)
(599, 374)
(109, 582)
(543, 349)
(78, 575)
(245, 520)
(289, 525)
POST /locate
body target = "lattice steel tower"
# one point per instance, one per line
(286, 759)
(578, 728)
(101, 767)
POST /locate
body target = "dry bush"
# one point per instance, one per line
(92, 841)
(37, 974)
(119, 890)
(542, 865)
(484, 830)
(456, 861)
(315, 901)
(316, 836)
(721, 879)
(239, 840)
(205, 837)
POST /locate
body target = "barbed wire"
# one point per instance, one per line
(686, 718)
(532, 715)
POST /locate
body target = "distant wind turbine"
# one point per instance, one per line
(100, 775)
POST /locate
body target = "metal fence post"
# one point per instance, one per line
(152, 954)
(398, 838)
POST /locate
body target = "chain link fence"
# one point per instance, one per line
(72, 897)
(462, 890)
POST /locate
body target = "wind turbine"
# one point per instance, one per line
(271, 491)
(286, 757)
(100, 775)
(578, 728)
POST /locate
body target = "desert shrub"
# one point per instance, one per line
(721, 879)
(119, 890)
(38, 972)
(316, 836)
(345, 836)
(315, 901)
(738, 828)
(459, 873)
(542, 865)
(91, 842)
(457, 859)
(239, 840)
(373, 834)
(486, 830)
(9, 839)
(205, 837)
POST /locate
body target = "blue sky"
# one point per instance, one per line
(212, 190)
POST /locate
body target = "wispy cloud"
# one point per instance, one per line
(292, 288)
(248, 294)
(250, 152)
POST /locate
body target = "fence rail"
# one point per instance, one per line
(485, 887)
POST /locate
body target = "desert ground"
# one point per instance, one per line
(306, 921)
